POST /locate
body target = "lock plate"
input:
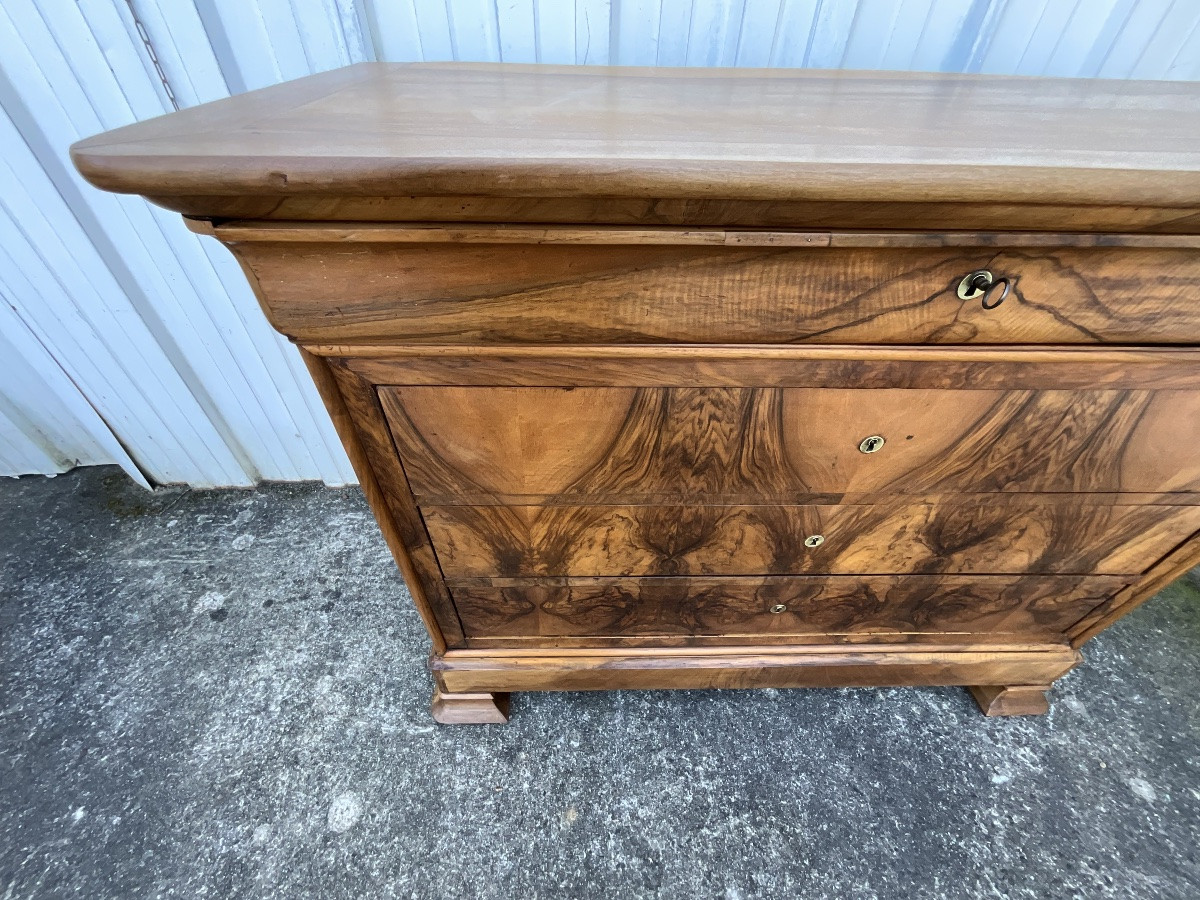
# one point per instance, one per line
(871, 444)
(974, 285)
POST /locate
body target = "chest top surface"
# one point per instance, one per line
(548, 131)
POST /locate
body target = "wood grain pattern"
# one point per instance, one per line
(482, 445)
(1175, 564)
(537, 131)
(676, 212)
(815, 608)
(715, 667)
(809, 366)
(891, 535)
(237, 232)
(565, 293)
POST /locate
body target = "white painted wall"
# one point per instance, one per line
(126, 339)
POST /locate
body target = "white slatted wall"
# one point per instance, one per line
(126, 339)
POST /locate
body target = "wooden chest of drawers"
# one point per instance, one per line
(729, 379)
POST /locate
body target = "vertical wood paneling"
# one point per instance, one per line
(142, 337)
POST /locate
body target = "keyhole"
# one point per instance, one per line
(871, 444)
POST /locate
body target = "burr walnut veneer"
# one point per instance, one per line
(714, 378)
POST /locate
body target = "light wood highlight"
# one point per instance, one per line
(958, 368)
(698, 134)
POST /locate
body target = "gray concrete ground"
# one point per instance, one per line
(222, 694)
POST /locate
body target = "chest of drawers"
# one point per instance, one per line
(703, 378)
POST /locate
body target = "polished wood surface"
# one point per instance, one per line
(475, 445)
(953, 535)
(807, 366)
(239, 232)
(522, 131)
(674, 212)
(725, 667)
(637, 292)
(606, 346)
(790, 609)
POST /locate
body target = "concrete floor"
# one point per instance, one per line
(222, 694)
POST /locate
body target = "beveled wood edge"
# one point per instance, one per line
(742, 667)
(985, 367)
(394, 509)
(435, 232)
(808, 216)
(1110, 579)
(1175, 564)
(1068, 354)
(965, 641)
(874, 648)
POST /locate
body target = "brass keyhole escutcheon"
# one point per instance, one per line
(871, 444)
(983, 284)
(778, 608)
(814, 540)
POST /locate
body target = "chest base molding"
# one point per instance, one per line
(993, 672)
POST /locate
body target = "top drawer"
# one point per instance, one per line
(318, 290)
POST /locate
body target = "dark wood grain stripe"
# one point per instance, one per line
(593, 294)
(1030, 605)
(891, 536)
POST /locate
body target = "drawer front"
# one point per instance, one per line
(798, 608)
(348, 291)
(959, 535)
(485, 445)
